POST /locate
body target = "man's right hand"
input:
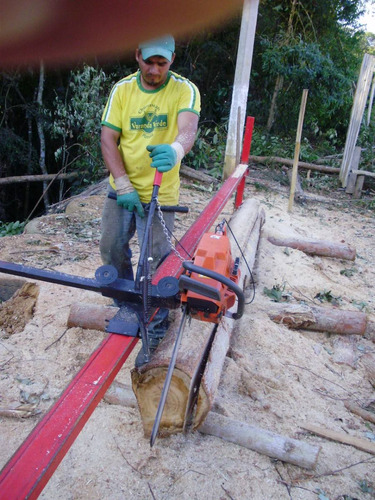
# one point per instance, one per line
(131, 201)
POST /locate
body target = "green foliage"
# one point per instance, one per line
(324, 182)
(367, 142)
(349, 272)
(209, 150)
(327, 296)
(360, 305)
(366, 486)
(264, 144)
(11, 228)
(76, 121)
(277, 293)
(304, 65)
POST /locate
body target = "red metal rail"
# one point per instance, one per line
(33, 464)
(245, 158)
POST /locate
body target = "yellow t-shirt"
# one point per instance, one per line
(146, 117)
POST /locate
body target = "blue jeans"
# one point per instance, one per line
(118, 228)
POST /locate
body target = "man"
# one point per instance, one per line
(150, 121)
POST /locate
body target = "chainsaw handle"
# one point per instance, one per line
(189, 266)
(158, 177)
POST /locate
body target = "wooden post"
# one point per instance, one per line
(359, 104)
(352, 179)
(241, 83)
(297, 148)
(358, 187)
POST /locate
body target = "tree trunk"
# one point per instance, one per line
(196, 341)
(320, 319)
(280, 78)
(315, 247)
(39, 120)
(278, 87)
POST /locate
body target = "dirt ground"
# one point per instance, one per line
(274, 378)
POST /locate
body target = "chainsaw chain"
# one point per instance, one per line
(166, 232)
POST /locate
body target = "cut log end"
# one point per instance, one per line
(148, 386)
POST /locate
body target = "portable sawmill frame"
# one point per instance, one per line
(32, 465)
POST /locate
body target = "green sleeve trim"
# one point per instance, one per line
(113, 127)
(190, 110)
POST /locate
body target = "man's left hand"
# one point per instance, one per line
(163, 156)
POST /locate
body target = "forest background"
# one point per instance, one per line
(50, 118)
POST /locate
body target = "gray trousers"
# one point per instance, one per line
(117, 229)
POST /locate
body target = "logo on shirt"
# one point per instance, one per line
(149, 121)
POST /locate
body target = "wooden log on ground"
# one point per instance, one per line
(321, 319)
(120, 394)
(315, 247)
(90, 316)
(340, 437)
(195, 175)
(287, 161)
(197, 339)
(361, 412)
(262, 441)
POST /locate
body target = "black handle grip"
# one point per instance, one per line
(189, 266)
(165, 208)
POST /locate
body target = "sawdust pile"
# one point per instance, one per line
(278, 379)
(16, 312)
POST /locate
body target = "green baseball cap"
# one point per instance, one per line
(163, 46)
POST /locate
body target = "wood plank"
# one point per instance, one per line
(340, 437)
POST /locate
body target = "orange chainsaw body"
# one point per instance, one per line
(213, 253)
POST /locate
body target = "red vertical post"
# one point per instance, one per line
(245, 158)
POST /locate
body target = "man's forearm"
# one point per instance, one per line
(186, 138)
(112, 159)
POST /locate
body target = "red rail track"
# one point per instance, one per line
(32, 465)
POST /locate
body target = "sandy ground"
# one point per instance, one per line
(273, 378)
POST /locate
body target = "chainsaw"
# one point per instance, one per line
(206, 290)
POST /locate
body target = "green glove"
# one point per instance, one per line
(131, 201)
(163, 157)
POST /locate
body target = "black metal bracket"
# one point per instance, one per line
(106, 282)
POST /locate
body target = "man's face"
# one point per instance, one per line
(154, 70)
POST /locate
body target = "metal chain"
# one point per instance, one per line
(166, 232)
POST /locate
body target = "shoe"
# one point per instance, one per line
(156, 332)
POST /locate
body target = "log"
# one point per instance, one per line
(148, 380)
(361, 412)
(340, 437)
(321, 319)
(315, 247)
(195, 175)
(301, 164)
(90, 316)
(262, 441)
(120, 394)
(38, 178)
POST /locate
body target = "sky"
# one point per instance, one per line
(369, 18)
